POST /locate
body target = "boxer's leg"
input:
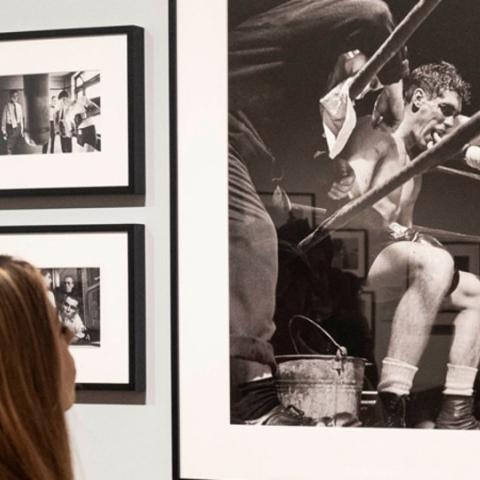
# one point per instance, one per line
(426, 272)
(465, 348)
(456, 411)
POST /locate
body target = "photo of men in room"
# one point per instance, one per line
(50, 113)
(75, 294)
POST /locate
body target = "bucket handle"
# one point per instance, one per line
(341, 353)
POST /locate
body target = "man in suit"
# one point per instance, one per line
(12, 122)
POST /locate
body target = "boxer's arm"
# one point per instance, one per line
(389, 106)
(406, 215)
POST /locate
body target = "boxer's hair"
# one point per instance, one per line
(435, 79)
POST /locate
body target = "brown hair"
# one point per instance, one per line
(435, 79)
(33, 435)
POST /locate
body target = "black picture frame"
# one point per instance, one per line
(134, 263)
(135, 81)
(359, 253)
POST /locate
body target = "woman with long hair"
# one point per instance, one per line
(37, 378)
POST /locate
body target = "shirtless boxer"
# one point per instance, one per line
(402, 257)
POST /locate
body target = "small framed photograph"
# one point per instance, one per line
(94, 275)
(466, 256)
(75, 293)
(72, 112)
(350, 251)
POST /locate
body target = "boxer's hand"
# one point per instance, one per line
(389, 105)
(343, 180)
(347, 65)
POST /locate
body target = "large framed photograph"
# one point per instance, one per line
(72, 112)
(95, 279)
(248, 113)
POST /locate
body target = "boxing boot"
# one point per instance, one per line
(392, 410)
(456, 413)
(258, 404)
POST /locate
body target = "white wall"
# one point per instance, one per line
(119, 441)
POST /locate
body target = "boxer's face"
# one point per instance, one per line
(435, 117)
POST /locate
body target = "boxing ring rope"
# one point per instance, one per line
(458, 173)
(392, 45)
(451, 145)
(447, 235)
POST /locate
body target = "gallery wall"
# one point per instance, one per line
(127, 436)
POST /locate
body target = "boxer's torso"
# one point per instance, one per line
(376, 155)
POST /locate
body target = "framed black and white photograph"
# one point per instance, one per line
(248, 119)
(350, 251)
(72, 111)
(466, 256)
(75, 294)
(94, 275)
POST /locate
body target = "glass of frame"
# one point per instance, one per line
(72, 112)
(95, 279)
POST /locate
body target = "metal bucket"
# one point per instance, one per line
(322, 386)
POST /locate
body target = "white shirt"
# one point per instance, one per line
(76, 325)
(52, 113)
(12, 115)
